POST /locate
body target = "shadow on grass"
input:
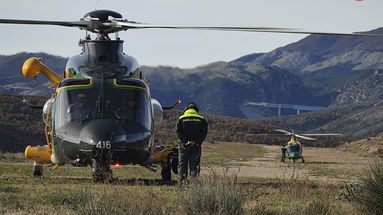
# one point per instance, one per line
(144, 182)
(320, 162)
(115, 181)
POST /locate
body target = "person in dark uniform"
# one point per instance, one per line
(78, 109)
(191, 131)
(283, 157)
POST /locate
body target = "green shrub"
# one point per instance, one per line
(371, 197)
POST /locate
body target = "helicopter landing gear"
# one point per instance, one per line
(37, 169)
(166, 171)
(303, 160)
(175, 165)
(101, 171)
(168, 168)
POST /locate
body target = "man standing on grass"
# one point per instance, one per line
(191, 131)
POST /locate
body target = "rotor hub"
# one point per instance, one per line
(102, 15)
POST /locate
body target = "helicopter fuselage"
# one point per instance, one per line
(109, 116)
(292, 151)
(101, 108)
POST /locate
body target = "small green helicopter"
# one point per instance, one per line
(102, 112)
(293, 148)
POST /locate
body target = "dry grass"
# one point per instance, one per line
(372, 146)
(225, 153)
(68, 190)
(296, 195)
(214, 195)
(6, 156)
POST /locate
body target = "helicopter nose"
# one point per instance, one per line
(109, 134)
(100, 131)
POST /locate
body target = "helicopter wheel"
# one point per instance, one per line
(175, 165)
(37, 169)
(101, 171)
(294, 160)
(303, 160)
(166, 171)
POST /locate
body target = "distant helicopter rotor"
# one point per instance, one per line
(292, 133)
(305, 136)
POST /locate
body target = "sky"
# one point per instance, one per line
(185, 48)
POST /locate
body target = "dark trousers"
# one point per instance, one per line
(189, 157)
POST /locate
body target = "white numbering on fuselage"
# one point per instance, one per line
(104, 145)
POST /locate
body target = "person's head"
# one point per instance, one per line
(191, 105)
(81, 99)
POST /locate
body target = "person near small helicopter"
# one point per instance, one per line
(192, 130)
(283, 157)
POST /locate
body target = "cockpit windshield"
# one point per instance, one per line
(294, 148)
(129, 106)
(76, 105)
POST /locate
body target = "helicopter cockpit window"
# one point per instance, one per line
(78, 104)
(129, 105)
(294, 148)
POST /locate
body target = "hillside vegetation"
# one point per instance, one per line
(355, 121)
(21, 126)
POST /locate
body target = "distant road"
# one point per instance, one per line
(290, 106)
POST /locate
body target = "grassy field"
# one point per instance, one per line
(136, 190)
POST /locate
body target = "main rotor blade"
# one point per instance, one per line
(43, 22)
(303, 137)
(134, 25)
(328, 134)
(265, 134)
(137, 25)
(283, 131)
(111, 26)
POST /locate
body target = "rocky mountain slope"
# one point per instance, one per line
(221, 88)
(364, 88)
(11, 79)
(318, 52)
(326, 63)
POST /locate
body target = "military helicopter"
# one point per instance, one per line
(102, 112)
(293, 148)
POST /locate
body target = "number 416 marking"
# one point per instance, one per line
(104, 145)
